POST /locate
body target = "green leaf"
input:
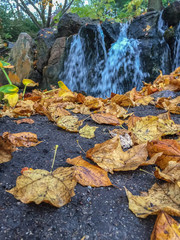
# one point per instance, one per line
(9, 88)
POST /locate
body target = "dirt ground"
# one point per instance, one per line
(93, 213)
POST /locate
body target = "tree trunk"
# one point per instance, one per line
(155, 5)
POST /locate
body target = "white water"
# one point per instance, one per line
(176, 62)
(122, 69)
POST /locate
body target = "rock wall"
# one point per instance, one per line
(44, 59)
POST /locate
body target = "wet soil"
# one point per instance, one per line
(93, 213)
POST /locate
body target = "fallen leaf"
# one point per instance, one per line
(89, 175)
(169, 105)
(81, 109)
(39, 185)
(165, 228)
(144, 100)
(151, 128)
(25, 120)
(170, 174)
(110, 156)
(106, 118)
(87, 131)
(24, 108)
(123, 100)
(114, 109)
(69, 123)
(170, 149)
(6, 149)
(22, 139)
(165, 197)
(93, 103)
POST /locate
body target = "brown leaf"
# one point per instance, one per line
(6, 149)
(22, 139)
(25, 120)
(39, 185)
(170, 149)
(144, 100)
(89, 175)
(165, 228)
(169, 105)
(170, 174)
(106, 118)
(122, 100)
(81, 109)
(110, 156)
(24, 108)
(165, 197)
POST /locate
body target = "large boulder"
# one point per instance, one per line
(171, 14)
(21, 56)
(70, 24)
(55, 63)
(111, 32)
(44, 40)
(155, 52)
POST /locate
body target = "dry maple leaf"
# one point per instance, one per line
(170, 174)
(69, 123)
(106, 118)
(170, 149)
(123, 100)
(25, 120)
(87, 131)
(151, 128)
(93, 103)
(110, 156)
(81, 108)
(144, 100)
(89, 175)
(165, 228)
(22, 139)
(169, 105)
(114, 109)
(165, 197)
(6, 149)
(24, 108)
(39, 185)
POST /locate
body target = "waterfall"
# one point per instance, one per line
(164, 65)
(176, 53)
(78, 74)
(122, 70)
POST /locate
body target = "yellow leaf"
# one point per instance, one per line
(29, 83)
(39, 185)
(152, 127)
(63, 86)
(164, 197)
(87, 131)
(89, 175)
(69, 123)
(165, 228)
(12, 98)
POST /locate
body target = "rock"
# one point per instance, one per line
(70, 24)
(55, 63)
(171, 14)
(165, 94)
(21, 56)
(111, 32)
(45, 40)
(137, 28)
(169, 36)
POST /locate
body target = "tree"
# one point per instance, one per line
(41, 11)
(155, 5)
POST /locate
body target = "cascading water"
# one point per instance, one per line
(78, 73)
(122, 70)
(176, 53)
(166, 52)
